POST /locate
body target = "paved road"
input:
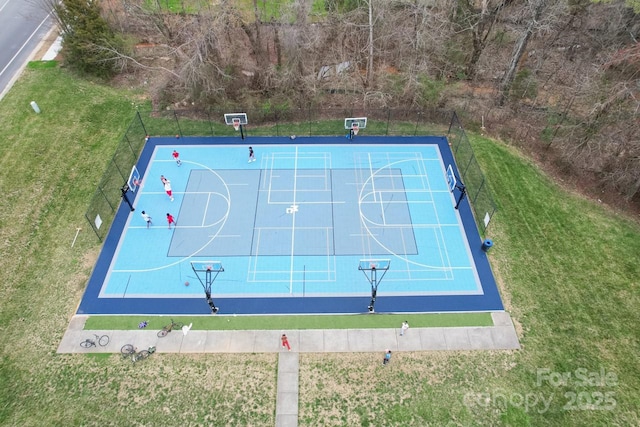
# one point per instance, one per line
(23, 24)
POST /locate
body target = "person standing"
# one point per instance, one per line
(171, 220)
(252, 157)
(404, 327)
(176, 157)
(387, 357)
(285, 342)
(147, 218)
(167, 186)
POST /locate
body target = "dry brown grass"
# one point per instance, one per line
(356, 389)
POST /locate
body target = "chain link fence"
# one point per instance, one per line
(108, 195)
(473, 179)
(285, 122)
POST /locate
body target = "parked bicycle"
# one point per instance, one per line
(169, 328)
(129, 351)
(102, 341)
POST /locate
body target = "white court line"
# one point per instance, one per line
(364, 220)
(293, 224)
(287, 228)
(441, 242)
(253, 260)
(440, 239)
(206, 208)
(371, 178)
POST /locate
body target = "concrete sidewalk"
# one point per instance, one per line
(500, 336)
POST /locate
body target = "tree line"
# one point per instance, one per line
(559, 75)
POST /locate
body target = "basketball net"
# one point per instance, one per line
(356, 128)
(236, 124)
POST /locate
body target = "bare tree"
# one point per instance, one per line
(370, 59)
(479, 20)
(537, 7)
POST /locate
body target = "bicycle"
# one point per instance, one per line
(169, 328)
(100, 340)
(129, 351)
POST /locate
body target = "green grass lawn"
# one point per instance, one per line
(230, 323)
(268, 10)
(567, 268)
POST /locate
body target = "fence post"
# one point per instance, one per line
(93, 227)
(141, 122)
(453, 116)
(418, 115)
(210, 122)
(479, 190)
(388, 119)
(107, 199)
(177, 122)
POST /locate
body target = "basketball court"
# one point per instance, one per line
(314, 225)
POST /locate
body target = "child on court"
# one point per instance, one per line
(252, 157)
(146, 218)
(176, 157)
(167, 186)
(171, 220)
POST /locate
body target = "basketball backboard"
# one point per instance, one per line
(374, 264)
(360, 121)
(214, 266)
(228, 118)
(134, 180)
(451, 178)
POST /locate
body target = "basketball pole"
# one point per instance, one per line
(463, 192)
(207, 291)
(373, 279)
(124, 190)
(209, 278)
(241, 132)
(374, 289)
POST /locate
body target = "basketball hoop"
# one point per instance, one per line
(236, 124)
(355, 128)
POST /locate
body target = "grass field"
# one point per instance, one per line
(567, 267)
(208, 323)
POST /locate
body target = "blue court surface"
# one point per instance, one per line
(291, 228)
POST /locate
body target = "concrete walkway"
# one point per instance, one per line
(500, 336)
(287, 394)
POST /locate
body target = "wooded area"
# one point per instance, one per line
(558, 78)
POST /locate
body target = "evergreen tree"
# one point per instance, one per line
(88, 41)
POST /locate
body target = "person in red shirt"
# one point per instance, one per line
(285, 342)
(171, 220)
(176, 156)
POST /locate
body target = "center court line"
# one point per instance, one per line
(293, 224)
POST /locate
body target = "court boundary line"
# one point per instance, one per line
(445, 304)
